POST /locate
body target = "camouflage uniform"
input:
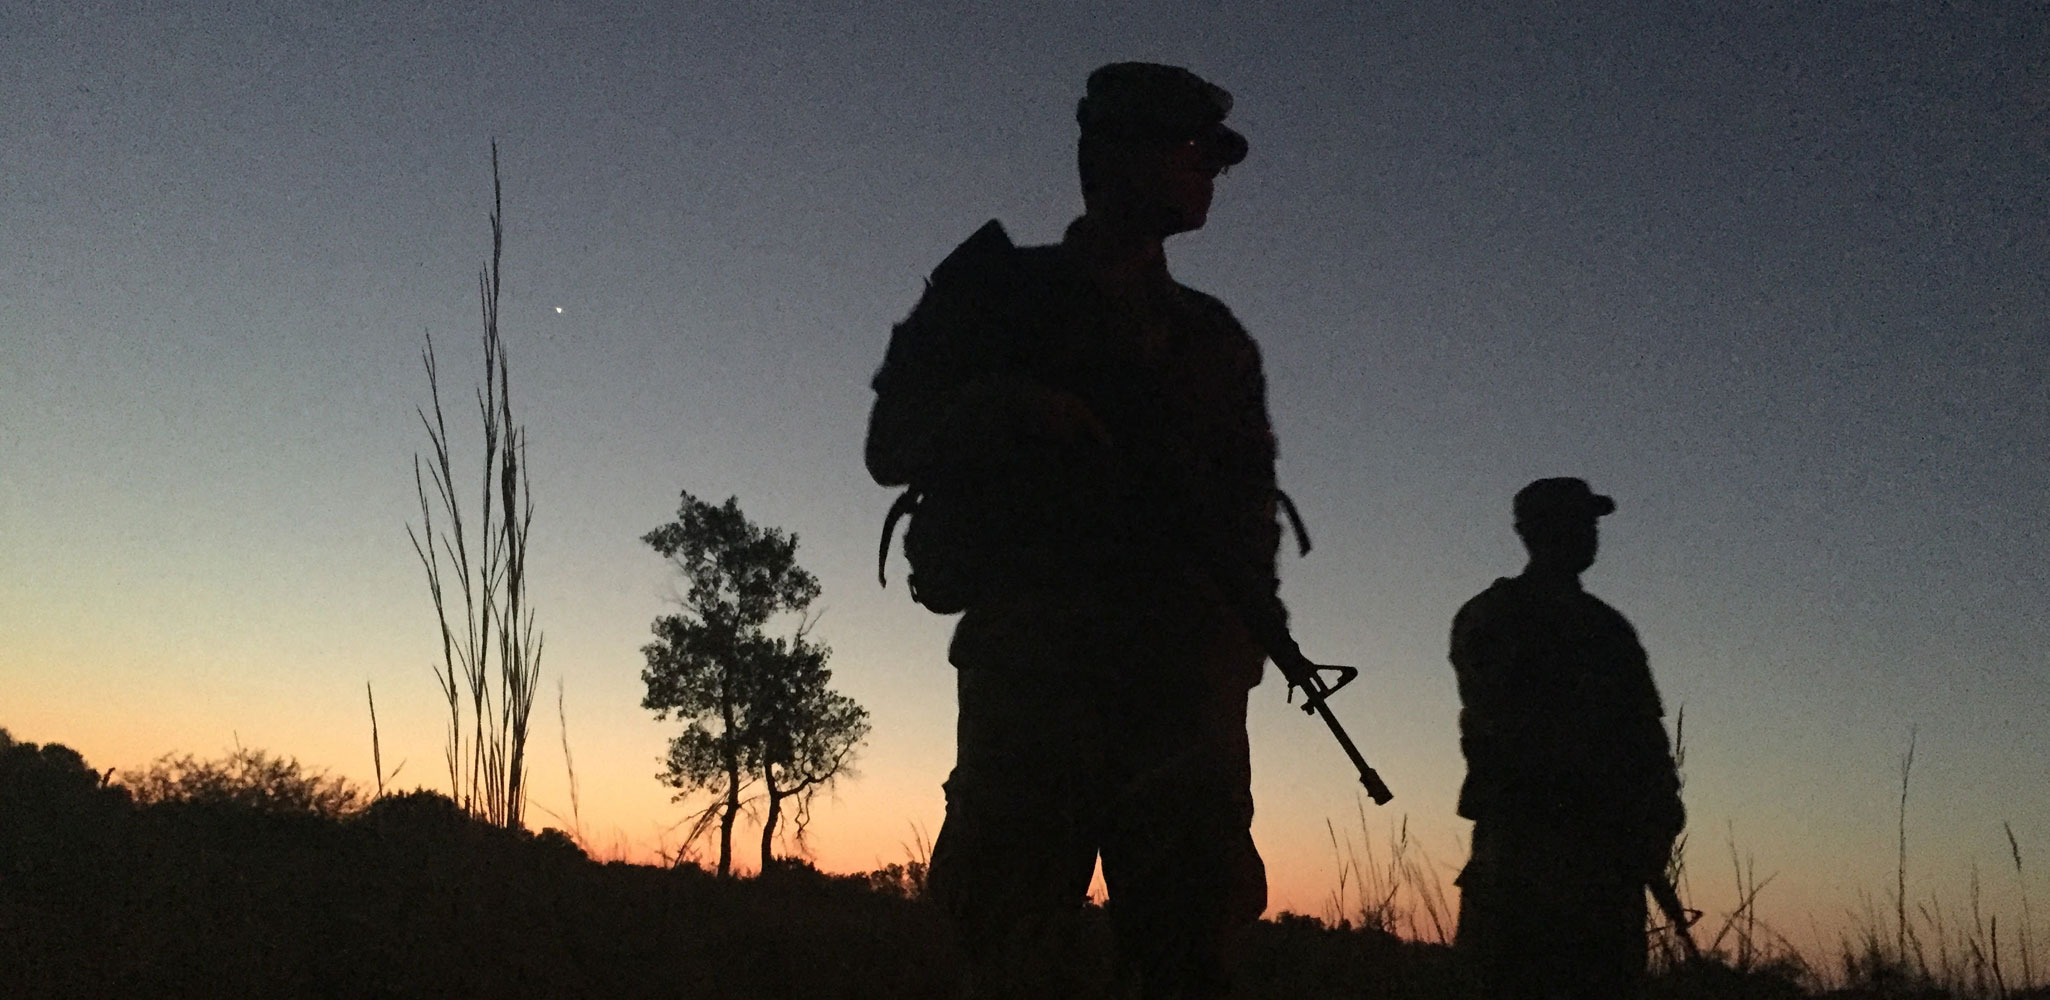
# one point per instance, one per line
(1571, 786)
(1102, 678)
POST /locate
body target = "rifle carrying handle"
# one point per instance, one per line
(1315, 702)
(1315, 689)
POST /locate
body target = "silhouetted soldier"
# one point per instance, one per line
(1073, 422)
(1570, 779)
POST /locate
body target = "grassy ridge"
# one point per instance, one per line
(409, 898)
(177, 883)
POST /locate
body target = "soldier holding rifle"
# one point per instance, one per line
(1570, 777)
(1091, 481)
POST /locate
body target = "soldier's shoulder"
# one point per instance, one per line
(1212, 311)
(1503, 591)
(1500, 600)
(970, 277)
(1608, 613)
(1044, 260)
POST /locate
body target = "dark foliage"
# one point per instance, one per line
(904, 881)
(55, 811)
(245, 780)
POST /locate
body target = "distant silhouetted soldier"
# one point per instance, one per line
(1570, 779)
(1071, 422)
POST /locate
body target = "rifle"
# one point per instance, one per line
(1262, 616)
(1677, 914)
(1300, 672)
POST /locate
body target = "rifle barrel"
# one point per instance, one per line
(1316, 693)
(1270, 630)
(1376, 788)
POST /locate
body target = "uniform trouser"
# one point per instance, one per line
(1550, 914)
(1073, 745)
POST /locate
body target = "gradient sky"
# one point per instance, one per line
(1772, 275)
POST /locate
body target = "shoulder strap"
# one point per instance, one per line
(907, 502)
(1295, 523)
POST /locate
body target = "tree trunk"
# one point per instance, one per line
(769, 821)
(730, 745)
(726, 827)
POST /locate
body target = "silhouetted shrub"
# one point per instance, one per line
(1289, 920)
(1715, 980)
(248, 780)
(904, 881)
(52, 805)
(795, 874)
(555, 841)
(420, 810)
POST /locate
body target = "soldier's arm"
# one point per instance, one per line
(1478, 655)
(1245, 515)
(1511, 762)
(1649, 750)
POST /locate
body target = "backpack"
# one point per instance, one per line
(942, 556)
(993, 296)
(950, 539)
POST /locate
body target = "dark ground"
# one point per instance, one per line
(408, 897)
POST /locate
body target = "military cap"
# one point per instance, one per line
(1560, 499)
(1149, 101)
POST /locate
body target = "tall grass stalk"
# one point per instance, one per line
(1403, 895)
(2027, 944)
(1937, 950)
(1673, 948)
(569, 763)
(1749, 942)
(1900, 885)
(491, 652)
(376, 748)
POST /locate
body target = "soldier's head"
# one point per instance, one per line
(1153, 142)
(1556, 520)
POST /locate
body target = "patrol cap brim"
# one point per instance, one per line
(1220, 144)
(1226, 147)
(1563, 497)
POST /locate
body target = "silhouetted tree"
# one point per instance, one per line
(755, 708)
(490, 651)
(805, 731)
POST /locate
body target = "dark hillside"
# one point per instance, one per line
(237, 896)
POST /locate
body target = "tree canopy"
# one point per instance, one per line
(758, 711)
